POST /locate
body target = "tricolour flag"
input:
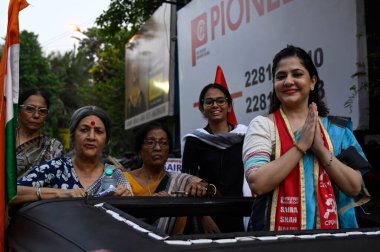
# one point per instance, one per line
(219, 79)
(9, 89)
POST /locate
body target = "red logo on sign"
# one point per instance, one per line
(198, 34)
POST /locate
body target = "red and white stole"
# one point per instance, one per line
(288, 210)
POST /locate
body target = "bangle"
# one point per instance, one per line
(330, 160)
(38, 193)
(211, 190)
(299, 148)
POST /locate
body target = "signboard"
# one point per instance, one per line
(147, 77)
(173, 165)
(242, 36)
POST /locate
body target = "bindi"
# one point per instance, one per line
(92, 123)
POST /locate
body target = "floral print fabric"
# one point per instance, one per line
(60, 173)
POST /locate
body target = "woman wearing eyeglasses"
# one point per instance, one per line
(81, 173)
(214, 153)
(32, 147)
(153, 144)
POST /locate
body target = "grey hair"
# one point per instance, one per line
(83, 112)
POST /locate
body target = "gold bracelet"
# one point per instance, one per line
(38, 193)
(299, 148)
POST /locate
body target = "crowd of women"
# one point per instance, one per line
(296, 161)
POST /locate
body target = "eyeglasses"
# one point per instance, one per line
(220, 101)
(31, 109)
(150, 143)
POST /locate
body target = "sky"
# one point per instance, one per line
(51, 20)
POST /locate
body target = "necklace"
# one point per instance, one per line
(147, 179)
(86, 177)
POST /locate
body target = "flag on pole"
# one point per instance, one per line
(219, 79)
(9, 89)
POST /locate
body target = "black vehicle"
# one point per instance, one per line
(115, 224)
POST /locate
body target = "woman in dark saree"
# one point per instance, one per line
(32, 147)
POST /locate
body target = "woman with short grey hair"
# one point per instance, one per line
(80, 173)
